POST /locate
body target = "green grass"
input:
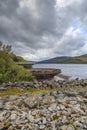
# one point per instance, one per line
(14, 91)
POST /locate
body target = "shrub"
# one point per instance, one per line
(10, 71)
(1, 78)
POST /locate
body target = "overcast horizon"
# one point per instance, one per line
(43, 29)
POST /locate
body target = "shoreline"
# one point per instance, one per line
(46, 84)
(75, 71)
(65, 77)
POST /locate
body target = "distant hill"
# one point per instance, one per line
(67, 60)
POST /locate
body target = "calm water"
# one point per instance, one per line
(73, 70)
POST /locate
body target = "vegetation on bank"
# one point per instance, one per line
(14, 91)
(20, 91)
(9, 70)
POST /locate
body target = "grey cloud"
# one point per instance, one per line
(8, 8)
(24, 27)
(42, 24)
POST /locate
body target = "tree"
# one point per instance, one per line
(7, 48)
(4, 47)
(9, 70)
(1, 45)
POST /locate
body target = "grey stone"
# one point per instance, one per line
(30, 118)
(42, 127)
(64, 119)
(64, 127)
(37, 120)
(52, 107)
(72, 94)
(36, 85)
(13, 117)
(70, 127)
(44, 120)
(2, 115)
(1, 105)
(31, 102)
(31, 84)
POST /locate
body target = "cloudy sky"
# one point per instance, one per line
(42, 29)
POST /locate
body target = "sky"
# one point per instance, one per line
(43, 29)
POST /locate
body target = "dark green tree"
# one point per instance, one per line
(9, 70)
(1, 45)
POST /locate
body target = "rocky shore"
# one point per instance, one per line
(65, 108)
(57, 110)
(52, 84)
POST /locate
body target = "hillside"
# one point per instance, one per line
(67, 60)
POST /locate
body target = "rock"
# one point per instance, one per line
(85, 95)
(44, 120)
(9, 105)
(36, 85)
(48, 100)
(30, 117)
(2, 126)
(52, 107)
(43, 73)
(2, 115)
(81, 92)
(73, 102)
(35, 127)
(13, 117)
(2, 89)
(24, 116)
(65, 104)
(31, 102)
(53, 125)
(74, 115)
(40, 83)
(64, 120)
(25, 84)
(35, 82)
(64, 127)
(11, 98)
(70, 127)
(3, 85)
(42, 127)
(31, 84)
(71, 94)
(77, 109)
(62, 107)
(37, 120)
(1, 105)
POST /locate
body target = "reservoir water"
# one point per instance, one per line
(72, 70)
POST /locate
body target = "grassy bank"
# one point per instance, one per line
(14, 91)
(18, 91)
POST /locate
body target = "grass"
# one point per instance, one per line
(18, 91)
(14, 91)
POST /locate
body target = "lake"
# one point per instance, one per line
(73, 70)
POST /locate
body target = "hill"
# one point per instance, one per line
(67, 60)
